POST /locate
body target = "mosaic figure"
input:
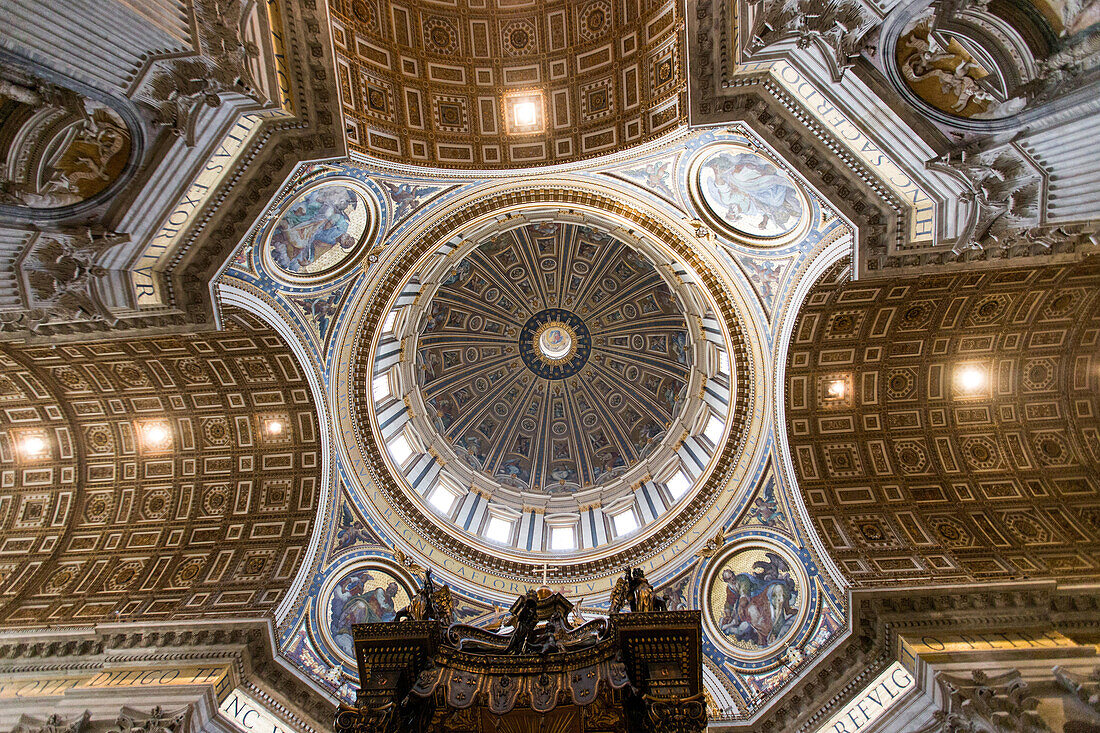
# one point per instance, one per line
(363, 596)
(749, 194)
(319, 230)
(754, 600)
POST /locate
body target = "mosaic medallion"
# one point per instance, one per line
(755, 599)
(363, 595)
(320, 231)
(554, 343)
(746, 195)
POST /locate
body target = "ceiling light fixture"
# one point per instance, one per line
(970, 378)
(525, 114)
(274, 428)
(836, 389)
(156, 435)
(33, 446)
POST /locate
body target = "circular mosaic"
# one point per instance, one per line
(755, 598)
(746, 195)
(365, 594)
(555, 343)
(320, 232)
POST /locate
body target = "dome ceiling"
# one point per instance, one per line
(551, 381)
(572, 412)
(505, 84)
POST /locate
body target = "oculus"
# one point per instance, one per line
(320, 232)
(555, 343)
(747, 196)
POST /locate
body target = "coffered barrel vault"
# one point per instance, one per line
(161, 477)
(490, 84)
(947, 428)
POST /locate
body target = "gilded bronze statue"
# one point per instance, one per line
(634, 589)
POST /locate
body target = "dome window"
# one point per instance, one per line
(399, 449)
(380, 388)
(498, 530)
(625, 522)
(442, 499)
(678, 485)
(714, 429)
(563, 538)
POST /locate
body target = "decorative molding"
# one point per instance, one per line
(842, 29)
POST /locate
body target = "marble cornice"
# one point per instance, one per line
(248, 646)
(879, 616)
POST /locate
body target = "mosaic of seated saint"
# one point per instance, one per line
(319, 230)
(363, 597)
(761, 599)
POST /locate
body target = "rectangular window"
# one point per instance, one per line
(714, 428)
(498, 530)
(442, 499)
(678, 485)
(400, 450)
(723, 362)
(625, 523)
(387, 325)
(380, 387)
(562, 538)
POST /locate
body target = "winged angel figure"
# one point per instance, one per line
(62, 273)
(431, 601)
(178, 91)
(182, 86)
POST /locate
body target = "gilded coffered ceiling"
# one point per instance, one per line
(439, 83)
(946, 428)
(158, 477)
(473, 285)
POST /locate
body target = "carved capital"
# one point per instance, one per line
(53, 724)
(988, 703)
(156, 720)
(1085, 688)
